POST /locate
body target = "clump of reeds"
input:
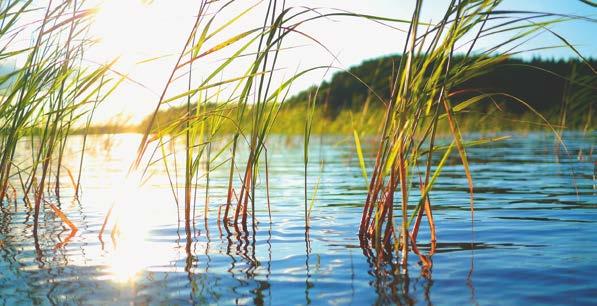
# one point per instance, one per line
(42, 98)
(249, 102)
(422, 97)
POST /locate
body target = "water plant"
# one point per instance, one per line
(422, 97)
(43, 97)
(249, 102)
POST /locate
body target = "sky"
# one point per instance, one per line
(133, 31)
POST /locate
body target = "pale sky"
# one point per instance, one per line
(134, 32)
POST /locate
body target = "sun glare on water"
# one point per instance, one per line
(137, 209)
(135, 213)
(131, 230)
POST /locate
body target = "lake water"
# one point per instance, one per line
(534, 239)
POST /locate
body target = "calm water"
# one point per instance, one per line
(534, 239)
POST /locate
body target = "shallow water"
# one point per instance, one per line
(534, 238)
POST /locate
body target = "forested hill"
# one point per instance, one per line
(541, 83)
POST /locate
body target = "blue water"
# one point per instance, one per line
(533, 241)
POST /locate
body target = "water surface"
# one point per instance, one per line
(534, 238)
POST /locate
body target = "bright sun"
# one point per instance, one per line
(134, 31)
(123, 28)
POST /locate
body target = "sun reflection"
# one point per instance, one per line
(130, 231)
(128, 260)
(136, 212)
(139, 234)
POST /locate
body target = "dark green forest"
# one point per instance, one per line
(546, 85)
